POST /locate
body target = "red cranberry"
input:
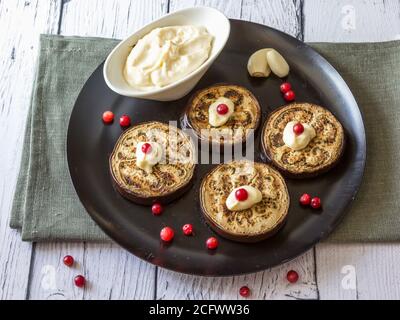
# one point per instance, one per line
(167, 234)
(305, 199)
(244, 291)
(285, 87)
(157, 209)
(290, 95)
(68, 261)
(125, 121)
(292, 276)
(108, 117)
(80, 281)
(146, 147)
(187, 229)
(222, 109)
(298, 128)
(316, 203)
(212, 243)
(241, 194)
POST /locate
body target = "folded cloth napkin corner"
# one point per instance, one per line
(46, 207)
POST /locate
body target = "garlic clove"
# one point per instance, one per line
(257, 65)
(277, 63)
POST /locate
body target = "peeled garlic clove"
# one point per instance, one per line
(277, 63)
(257, 65)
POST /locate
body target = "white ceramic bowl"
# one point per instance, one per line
(217, 25)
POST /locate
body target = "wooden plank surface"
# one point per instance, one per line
(18, 50)
(109, 18)
(231, 8)
(375, 266)
(358, 271)
(283, 15)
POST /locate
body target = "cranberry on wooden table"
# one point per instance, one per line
(108, 117)
(244, 291)
(68, 260)
(292, 276)
(157, 209)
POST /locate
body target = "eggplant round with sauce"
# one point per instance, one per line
(168, 180)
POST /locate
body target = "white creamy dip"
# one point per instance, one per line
(254, 197)
(214, 118)
(166, 55)
(147, 161)
(298, 142)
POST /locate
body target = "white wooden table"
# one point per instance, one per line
(35, 271)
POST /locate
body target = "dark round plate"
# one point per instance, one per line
(90, 143)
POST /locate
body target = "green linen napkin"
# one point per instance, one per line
(372, 71)
(47, 208)
(45, 205)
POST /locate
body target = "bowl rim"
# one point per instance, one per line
(202, 68)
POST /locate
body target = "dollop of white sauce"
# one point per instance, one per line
(147, 161)
(214, 118)
(254, 197)
(166, 55)
(298, 142)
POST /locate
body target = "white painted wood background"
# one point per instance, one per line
(113, 273)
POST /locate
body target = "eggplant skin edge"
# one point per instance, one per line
(148, 201)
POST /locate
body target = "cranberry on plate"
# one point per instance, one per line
(212, 243)
(167, 234)
(157, 209)
(298, 129)
(305, 199)
(124, 121)
(289, 96)
(292, 276)
(68, 260)
(315, 203)
(187, 229)
(108, 117)
(285, 87)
